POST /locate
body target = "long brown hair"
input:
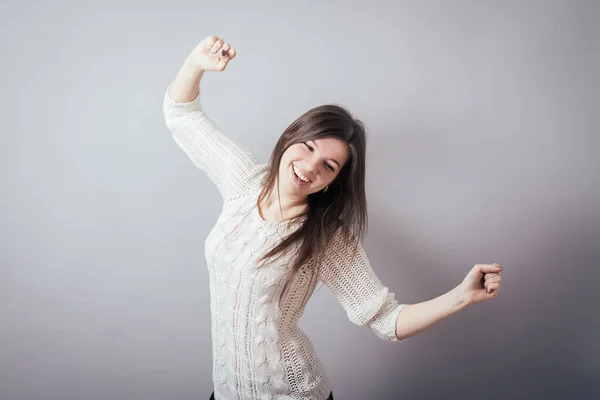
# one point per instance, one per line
(342, 209)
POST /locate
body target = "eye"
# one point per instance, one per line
(326, 165)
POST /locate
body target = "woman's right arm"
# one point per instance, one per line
(185, 87)
(228, 164)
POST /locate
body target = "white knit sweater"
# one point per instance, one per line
(259, 352)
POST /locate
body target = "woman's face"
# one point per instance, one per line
(319, 161)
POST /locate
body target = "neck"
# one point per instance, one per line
(282, 206)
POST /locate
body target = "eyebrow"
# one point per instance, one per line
(332, 159)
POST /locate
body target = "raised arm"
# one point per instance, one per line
(186, 86)
(228, 164)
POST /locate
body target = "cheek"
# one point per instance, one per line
(286, 160)
(333, 176)
(330, 178)
(291, 155)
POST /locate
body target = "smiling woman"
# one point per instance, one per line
(315, 164)
(286, 225)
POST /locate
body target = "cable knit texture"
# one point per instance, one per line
(259, 352)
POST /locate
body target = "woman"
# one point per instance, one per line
(285, 226)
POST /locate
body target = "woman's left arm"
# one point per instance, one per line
(482, 283)
(347, 272)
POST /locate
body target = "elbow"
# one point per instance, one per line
(386, 326)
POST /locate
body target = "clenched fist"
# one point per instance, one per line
(481, 283)
(212, 54)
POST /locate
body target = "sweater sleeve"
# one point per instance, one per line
(346, 271)
(228, 164)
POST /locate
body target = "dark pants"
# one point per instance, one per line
(212, 396)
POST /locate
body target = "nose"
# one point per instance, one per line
(312, 165)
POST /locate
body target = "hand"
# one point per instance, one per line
(482, 283)
(212, 54)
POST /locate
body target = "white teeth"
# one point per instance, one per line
(299, 175)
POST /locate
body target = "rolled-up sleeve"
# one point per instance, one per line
(346, 271)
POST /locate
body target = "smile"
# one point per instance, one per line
(299, 178)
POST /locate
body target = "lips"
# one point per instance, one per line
(299, 172)
(297, 180)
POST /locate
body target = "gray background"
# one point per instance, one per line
(483, 147)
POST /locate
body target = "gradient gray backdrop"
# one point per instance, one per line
(483, 147)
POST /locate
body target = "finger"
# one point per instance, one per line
(489, 291)
(493, 286)
(490, 283)
(210, 41)
(496, 278)
(217, 46)
(487, 277)
(227, 51)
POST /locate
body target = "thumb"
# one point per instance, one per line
(488, 268)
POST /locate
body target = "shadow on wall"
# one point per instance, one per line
(534, 341)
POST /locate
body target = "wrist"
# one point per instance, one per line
(190, 65)
(461, 297)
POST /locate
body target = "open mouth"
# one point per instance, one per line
(297, 178)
